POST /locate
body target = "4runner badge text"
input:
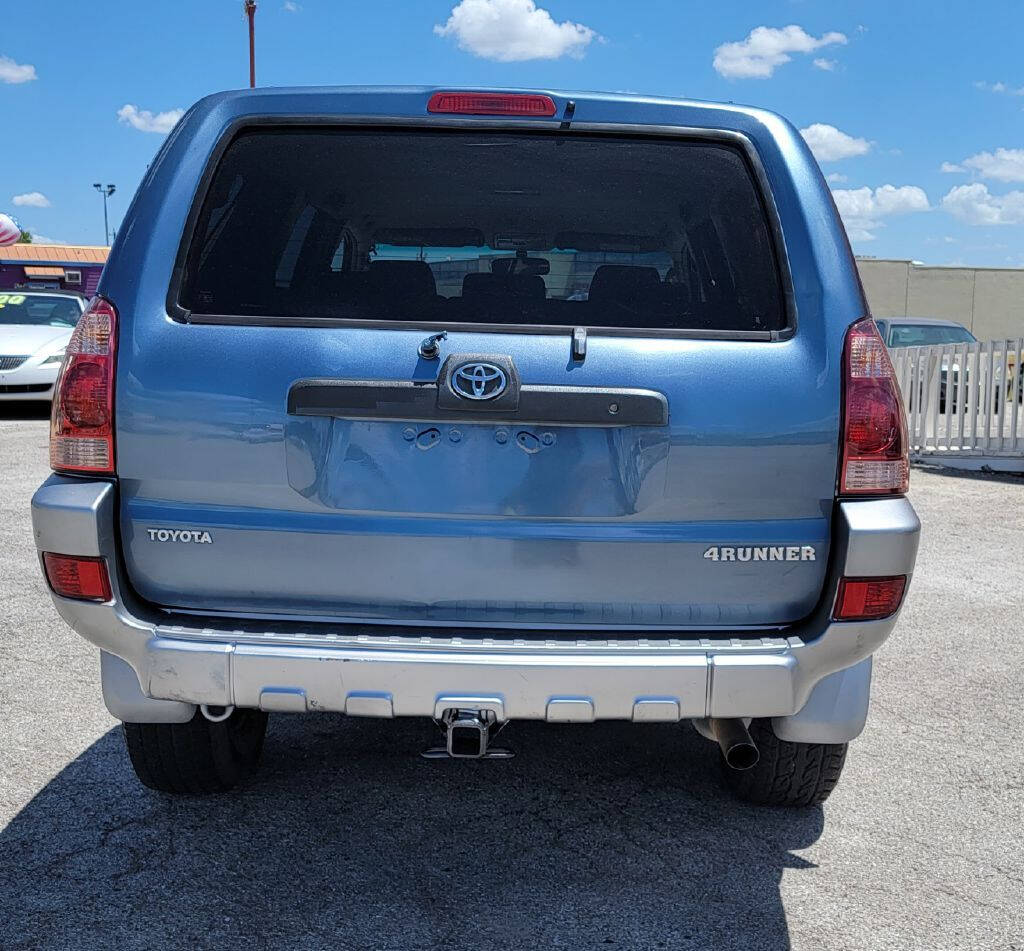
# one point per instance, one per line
(179, 535)
(761, 553)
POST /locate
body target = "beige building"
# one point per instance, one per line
(988, 301)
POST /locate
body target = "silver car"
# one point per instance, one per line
(35, 327)
(922, 332)
(900, 332)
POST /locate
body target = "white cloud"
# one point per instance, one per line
(510, 31)
(830, 145)
(31, 200)
(12, 72)
(835, 178)
(42, 239)
(950, 167)
(767, 48)
(975, 205)
(1000, 88)
(828, 65)
(146, 121)
(893, 200)
(1004, 165)
(862, 209)
(291, 7)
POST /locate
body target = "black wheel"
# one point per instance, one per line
(787, 774)
(197, 757)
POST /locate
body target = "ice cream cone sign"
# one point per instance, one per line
(10, 231)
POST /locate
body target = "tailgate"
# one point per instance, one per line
(621, 428)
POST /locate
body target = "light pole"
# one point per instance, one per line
(250, 11)
(106, 193)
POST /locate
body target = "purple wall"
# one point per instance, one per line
(12, 276)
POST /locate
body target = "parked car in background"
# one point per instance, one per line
(902, 332)
(35, 327)
(899, 332)
(922, 332)
(342, 431)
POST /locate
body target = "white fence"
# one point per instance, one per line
(964, 402)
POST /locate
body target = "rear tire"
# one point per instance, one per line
(198, 757)
(787, 773)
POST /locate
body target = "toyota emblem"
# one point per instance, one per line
(479, 381)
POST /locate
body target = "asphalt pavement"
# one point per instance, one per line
(610, 836)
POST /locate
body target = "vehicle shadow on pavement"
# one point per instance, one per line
(1007, 478)
(605, 836)
(21, 411)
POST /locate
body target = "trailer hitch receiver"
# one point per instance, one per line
(468, 735)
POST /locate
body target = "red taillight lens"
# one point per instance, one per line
(869, 599)
(84, 579)
(875, 459)
(491, 104)
(82, 421)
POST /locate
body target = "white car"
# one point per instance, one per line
(35, 327)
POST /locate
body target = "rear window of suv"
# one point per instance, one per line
(455, 227)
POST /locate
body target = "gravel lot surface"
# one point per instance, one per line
(607, 836)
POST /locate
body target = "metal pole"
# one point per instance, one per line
(250, 12)
(106, 193)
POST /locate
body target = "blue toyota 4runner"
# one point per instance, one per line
(480, 406)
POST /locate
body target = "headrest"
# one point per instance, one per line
(401, 278)
(501, 286)
(479, 285)
(622, 282)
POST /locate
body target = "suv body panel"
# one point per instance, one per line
(345, 519)
(180, 660)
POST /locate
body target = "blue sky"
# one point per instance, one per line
(893, 92)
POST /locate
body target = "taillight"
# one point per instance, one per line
(875, 459)
(491, 104)
(82, 420)
(78, 577)
(869, 599)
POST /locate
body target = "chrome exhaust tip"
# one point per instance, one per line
(215, 713)
(734, 740)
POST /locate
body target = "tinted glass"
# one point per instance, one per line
(476, 227)
(40, 309)
(927, 335)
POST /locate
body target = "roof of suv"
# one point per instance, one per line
(409, 101)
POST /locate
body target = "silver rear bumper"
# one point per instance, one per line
(643, 676)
